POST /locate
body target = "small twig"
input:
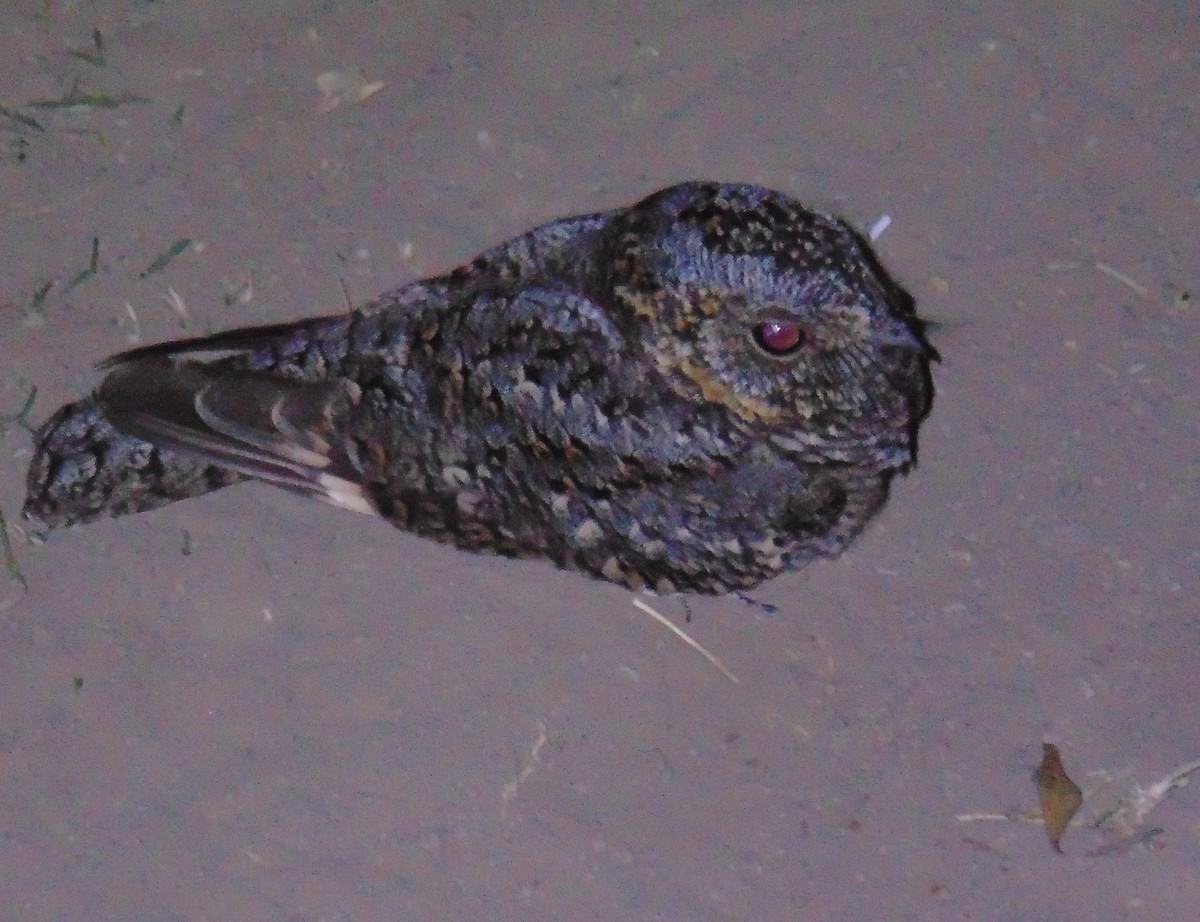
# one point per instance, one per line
(1012, 816)
(685, 637)
(1034, 814)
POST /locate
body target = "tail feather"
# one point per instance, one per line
(84, 468)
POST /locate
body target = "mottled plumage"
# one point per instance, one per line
(694, 393)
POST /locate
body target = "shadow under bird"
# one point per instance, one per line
(693, 393)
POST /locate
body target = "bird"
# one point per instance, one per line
(690, 394)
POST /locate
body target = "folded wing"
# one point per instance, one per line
(259, 424)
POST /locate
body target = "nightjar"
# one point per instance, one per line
(693, 393)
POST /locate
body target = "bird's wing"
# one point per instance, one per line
(284, 431)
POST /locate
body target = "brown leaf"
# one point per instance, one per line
(1059, 796)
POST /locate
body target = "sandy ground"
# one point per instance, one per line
(251, 707)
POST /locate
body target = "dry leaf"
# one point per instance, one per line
(1059, 796)
(345, 86)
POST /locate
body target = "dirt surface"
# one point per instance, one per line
(252, 707)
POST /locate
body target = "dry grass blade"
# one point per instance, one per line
(686, 638)
(163, 260)
(1130, 283)
(509, 791)
(21, 417)
(174, 300)
(75, 98)
(1126, 822)
(135, 333)
(10, 559)
(92, 268)
(93, 55)
(35, 314)
(21, 118)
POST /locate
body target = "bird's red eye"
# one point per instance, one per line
(779, 337)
